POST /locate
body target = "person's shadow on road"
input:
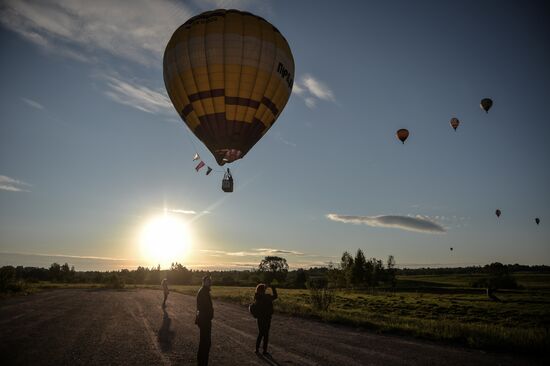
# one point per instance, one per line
(268, 359)
(165, 335)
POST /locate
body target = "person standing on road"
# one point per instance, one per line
(205, 313)
(264, 311)
(164, 285)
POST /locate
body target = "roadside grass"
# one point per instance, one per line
(526, 280)
(16, 288)
(519, 322)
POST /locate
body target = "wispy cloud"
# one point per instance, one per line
(278, 251)
(93, 32)
(279, 137)
(298, 89)
(224, 4)
(130, 30)
(310, 102)
(13, 185)
(417, 223)
(32, 103)
(70, 256)
(137, 96)
(185, 212)
(312, 90)
(317, 88)
(81, 262)
(255, 252)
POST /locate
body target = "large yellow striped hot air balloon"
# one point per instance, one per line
(229, 75)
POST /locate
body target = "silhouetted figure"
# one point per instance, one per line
(205, 313)
(264, 311)
(164, 285)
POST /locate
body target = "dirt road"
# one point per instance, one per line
(108, 327)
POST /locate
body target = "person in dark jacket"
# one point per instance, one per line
(264, 311)
(205, 313)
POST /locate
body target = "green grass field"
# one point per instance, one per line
(422, 307)
(519, 322)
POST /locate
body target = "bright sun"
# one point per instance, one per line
(165, 239)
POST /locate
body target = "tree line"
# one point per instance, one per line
(352, 272)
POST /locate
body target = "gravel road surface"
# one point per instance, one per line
(130, 327)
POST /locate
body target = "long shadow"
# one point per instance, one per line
(165, 335)
(268, 359)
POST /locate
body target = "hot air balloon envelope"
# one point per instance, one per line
(537, 220)
(454, 123)
(402, 134)
(498, 212)
(229, 75)
(486, 104)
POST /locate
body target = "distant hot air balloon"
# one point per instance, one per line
(229, 75)
(486, 104)
(537, 220)
(402, 134)
(451, 249)
(454, 123)
(498, 212)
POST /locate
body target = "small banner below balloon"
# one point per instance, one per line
(198, 167)
(202, 164)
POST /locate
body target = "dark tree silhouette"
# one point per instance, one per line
(346, 266)
(273, 268)
(390, 272)
(301, 278)
(359, 268)
(55, 272)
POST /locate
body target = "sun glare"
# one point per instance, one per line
(165, 239)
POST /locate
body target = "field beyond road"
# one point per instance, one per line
(129, 327)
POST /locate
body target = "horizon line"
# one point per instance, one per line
(229, 266)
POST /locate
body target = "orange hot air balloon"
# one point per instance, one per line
(537, 220)
(498, 212)
(402, 134)
(229, 75)
(454, 123)
(486, 104)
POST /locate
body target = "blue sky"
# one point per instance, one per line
(91, 148)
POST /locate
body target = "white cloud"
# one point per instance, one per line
(317, 88)
(13, 185)
(224, 4)
(32, 103)
(312, 90)
(272, 251)
(137, 96)
(186, 212)
(297, 89)
(417, 223)
(136, 30)
(310, 102)
(256, 252)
